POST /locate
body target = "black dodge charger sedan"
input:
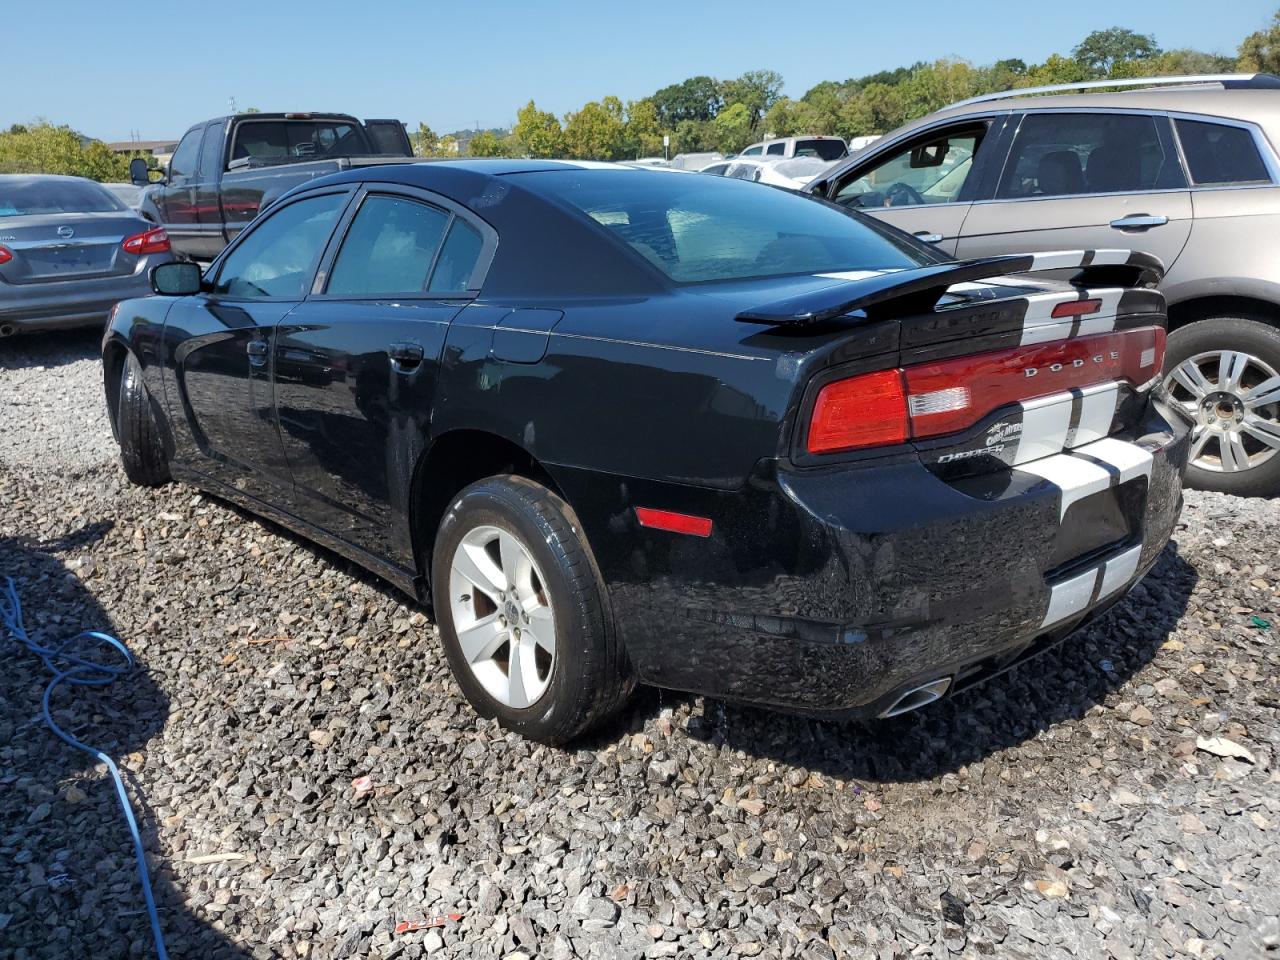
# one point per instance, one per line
(620, 425)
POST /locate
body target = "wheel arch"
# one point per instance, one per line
(114, 353)
(453, 461)
(1249, 305)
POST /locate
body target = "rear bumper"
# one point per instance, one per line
(834, 592)
(26, 307)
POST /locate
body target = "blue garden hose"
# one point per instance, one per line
(76, 669)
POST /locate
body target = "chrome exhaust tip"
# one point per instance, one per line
(917, 697)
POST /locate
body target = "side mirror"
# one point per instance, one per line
(176, 279)
(138, 172)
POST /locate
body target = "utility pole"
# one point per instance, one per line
(233, 104)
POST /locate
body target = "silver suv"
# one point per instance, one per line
(1186, 170)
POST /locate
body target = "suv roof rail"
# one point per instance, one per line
(1228, 81)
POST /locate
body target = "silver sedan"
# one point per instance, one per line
(69, 252)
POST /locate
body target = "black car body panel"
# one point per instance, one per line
(828, 583)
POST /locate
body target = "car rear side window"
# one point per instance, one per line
(1061, 155)
(278, 258)
(828, 149)
(211, 152)
(776, 149)
(182, 165)
(457, 260)
(1220, 154)
(715, 228)
(389, 248)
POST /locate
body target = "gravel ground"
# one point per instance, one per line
(1117, 798)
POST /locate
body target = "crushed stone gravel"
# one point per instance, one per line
(1119, 797)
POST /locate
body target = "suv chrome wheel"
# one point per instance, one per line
(1233, 399)
(502, 614)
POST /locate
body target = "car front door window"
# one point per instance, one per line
(278, 258)
(928, 171)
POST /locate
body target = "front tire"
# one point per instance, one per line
(523, 613)
(1225, 374)
(138, 431)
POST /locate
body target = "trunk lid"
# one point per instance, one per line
(67, 246)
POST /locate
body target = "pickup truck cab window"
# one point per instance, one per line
(278, 258)
(182, 166)
(211, 159)
(389, 248)
(1218, 153)
(928, 171)
(1069, 154)
(290, 139)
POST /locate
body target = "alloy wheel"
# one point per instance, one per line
(502, 616)
(1233, 399)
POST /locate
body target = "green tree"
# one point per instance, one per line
(757, 90)
(596, 132)
(1101, 51)
(938, 84)
(697, 98)
(692, 136)
(731, 130)
(877, 108)
(425, 142)
(1057, 69)
(44, 148)
(448, 145)
(538, 132)
(1260, 51)
(642, 129)
(486, 143)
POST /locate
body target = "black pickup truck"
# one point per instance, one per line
(225, 170)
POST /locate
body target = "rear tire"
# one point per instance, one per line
(138, 431)
(534, 569)
(1236, 440)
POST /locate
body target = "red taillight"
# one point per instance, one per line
(153, 241)
(5, 255)
(1076, 308)
(875, 409)
(869, 410)
(674, 522)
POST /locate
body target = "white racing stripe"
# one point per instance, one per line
(1097, 412)
(1075, 478)
(1040, 326)
(1070, 596)
(1045, 423)
(1118, 571)
(1129, 459)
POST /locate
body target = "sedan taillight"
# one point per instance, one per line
(5, 255)
(153, 241)
(946, 396)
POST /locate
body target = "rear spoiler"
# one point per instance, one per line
(902, 292)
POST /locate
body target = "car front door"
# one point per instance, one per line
(178, 196)
(1086, 180)
(923, 185)
(356, 364)
(222, 337)
(208, 205)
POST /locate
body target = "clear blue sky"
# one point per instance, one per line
(157, 67)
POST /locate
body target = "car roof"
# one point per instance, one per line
(1258, 106)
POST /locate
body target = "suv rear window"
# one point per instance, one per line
(715, 228)
(1058, 155)
(1218, 153)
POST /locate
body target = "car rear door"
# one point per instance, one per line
(222, 337)
(356, 364)
(210, 240)
(925, 183)
(1086, 179)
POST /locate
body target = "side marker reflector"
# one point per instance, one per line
(674, 522)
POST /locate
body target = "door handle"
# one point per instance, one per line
(405, 357)
(928, 237)
(1139, 221)
(257, 350)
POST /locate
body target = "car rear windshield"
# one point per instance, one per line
(696, 228)
(276, 140)
(822, 149)
(31, 196)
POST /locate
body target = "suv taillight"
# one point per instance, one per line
(933, 399)
(153, 241)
